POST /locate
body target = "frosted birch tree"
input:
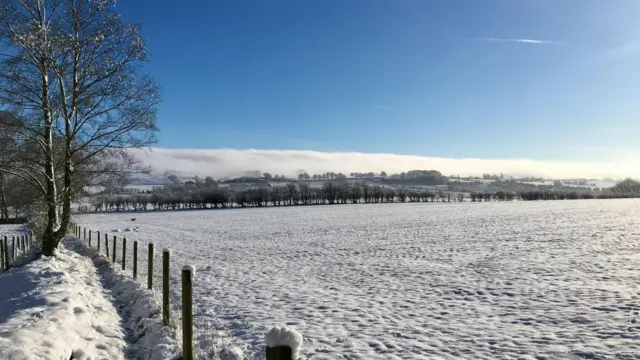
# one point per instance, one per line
(72, 69)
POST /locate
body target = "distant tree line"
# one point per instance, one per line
(627, 188)
(208, 194)
(424, 177)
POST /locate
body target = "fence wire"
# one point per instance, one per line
(14, 246)
(211, 340)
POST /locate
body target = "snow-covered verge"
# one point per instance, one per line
(140, 311)
(64, 307)
(54, 308)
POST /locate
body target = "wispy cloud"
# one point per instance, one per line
(379, 107)
(234, 162)
(520, 41)
(619, 52)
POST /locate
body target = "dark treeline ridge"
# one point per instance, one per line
(421, 177)
(210, 195)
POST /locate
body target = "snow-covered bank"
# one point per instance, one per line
(64, 307)
(55, 307)
(139, 308)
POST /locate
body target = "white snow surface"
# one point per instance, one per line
(62, 305)
(12, 230)
(520, 280)
(55, 307)
(285, 336)
(140, 309)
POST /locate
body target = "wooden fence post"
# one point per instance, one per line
(283, 344)
(14, 250)
(89, 238)
(98, 241)
(85, 234)
(24, 244)
(106, 244)
(279, 353)
(113, 253)
(188, 273)
(166, 261)
(135, 260)
(6, 253)
(150, 267)
(124, 252)
(1, 256)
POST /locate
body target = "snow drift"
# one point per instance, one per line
(63, 307)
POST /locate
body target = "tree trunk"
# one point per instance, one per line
(66, 196)
(50, 238)
(4, 208)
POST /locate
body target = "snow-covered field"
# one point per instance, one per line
(521, 280)
(12, 230)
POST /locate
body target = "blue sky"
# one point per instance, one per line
(448, 78)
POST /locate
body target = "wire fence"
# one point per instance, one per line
(13, 247)
(201, 334)
(198, 329)
(148, 261)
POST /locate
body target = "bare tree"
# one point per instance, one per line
(210, 182)
(291, 193)
(7, 150)
(72, 68)
(4, 206)
(402, 194)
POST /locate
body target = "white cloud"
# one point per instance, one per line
(520, 41)
(379, 107)
(233, 162)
